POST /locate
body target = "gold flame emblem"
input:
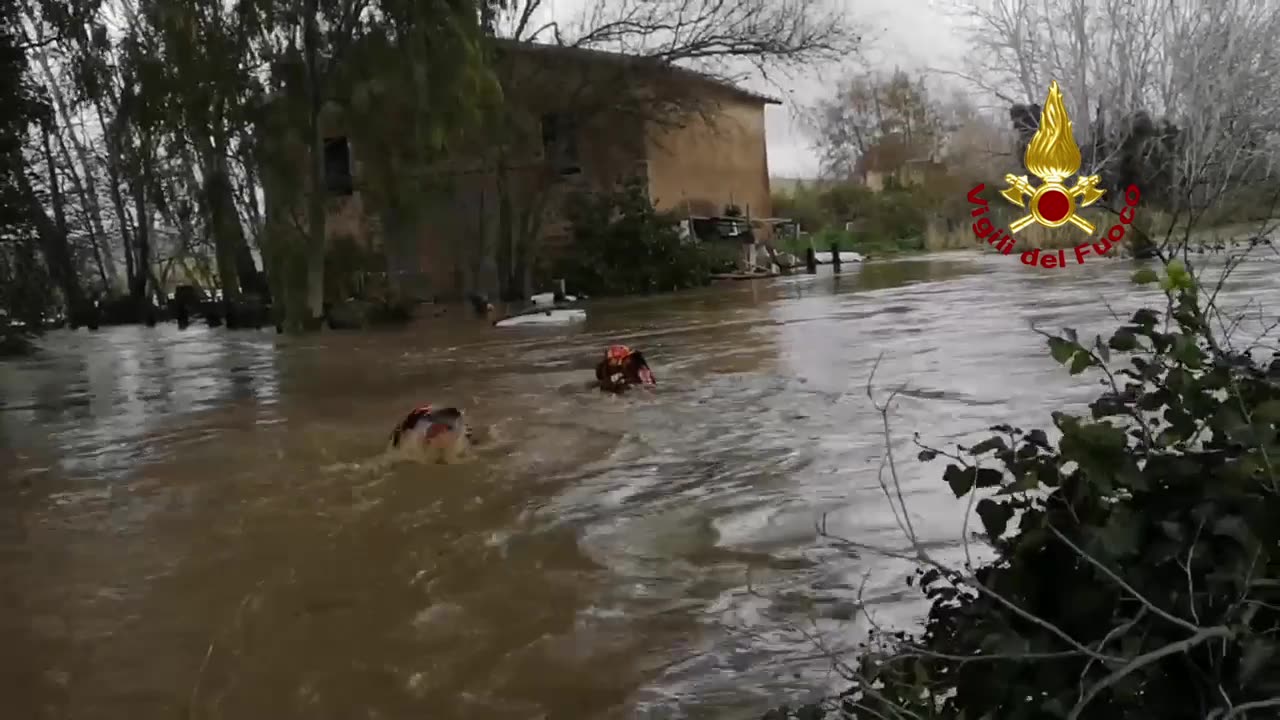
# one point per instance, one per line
(1053, 156)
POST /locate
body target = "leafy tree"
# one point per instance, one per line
(801, 205)
(91, 78)
(434, 84)
(397, 69)
(195, 60)
(882, 218)
(621, 245)
(22, 277)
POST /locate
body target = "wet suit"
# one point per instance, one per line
(622, 367)
(429, 424)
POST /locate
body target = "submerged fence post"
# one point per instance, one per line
(811, 260)
(835, 257)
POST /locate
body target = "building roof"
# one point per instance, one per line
(594, 54)
(887, 155)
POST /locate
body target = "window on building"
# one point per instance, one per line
(560, 142)
(337, 166)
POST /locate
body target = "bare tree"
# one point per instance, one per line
(890, 116)
(1195, 82)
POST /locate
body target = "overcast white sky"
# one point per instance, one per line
(911, 34)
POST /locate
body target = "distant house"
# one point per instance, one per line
(590, 119)
(886, 164)
(791, 186)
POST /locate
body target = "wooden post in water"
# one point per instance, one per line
(835, 257)
(811, 260)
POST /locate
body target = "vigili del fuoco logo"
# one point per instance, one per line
(1053, 156)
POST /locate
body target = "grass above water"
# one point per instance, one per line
(851, 242)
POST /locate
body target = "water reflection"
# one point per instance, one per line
(101, 402)
(195, 529)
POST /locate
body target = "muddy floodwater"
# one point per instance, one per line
(191, 524)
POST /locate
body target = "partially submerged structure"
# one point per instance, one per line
(572, 120)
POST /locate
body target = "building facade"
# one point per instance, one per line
(574, 120)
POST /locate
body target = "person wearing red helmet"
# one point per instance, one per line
(621, 367)
(442, 433)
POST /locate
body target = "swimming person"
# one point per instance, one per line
(621, 368)
(439, 435)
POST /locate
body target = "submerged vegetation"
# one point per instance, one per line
(621, 244)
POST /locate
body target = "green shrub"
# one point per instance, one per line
(349, 265)
(801, 206)
(886, 222)
(1137, 559)
(26, 295)
(621, 244)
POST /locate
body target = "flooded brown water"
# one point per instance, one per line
(190, 525)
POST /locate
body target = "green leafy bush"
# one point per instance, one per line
(26, 294)
(803, 207)
(349, 265)
(1137, 559)
(893, 220)
(622, 245)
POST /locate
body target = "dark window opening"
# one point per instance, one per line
(337, 166)
(560, 143)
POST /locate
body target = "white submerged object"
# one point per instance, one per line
(845, 257)
(563, 316)
(549, 298)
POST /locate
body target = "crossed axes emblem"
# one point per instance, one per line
(1084, 194)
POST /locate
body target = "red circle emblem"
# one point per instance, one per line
(1054, 205)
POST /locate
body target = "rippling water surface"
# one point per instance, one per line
(190, 525)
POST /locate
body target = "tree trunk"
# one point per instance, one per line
(224, 225)
(53, 240)
(112, 138)
(57, 255)
(138, 283)
(246, 268)
(250, 198)
(315, 243)
(90, 204)
(284, 255)
(315, 240)
(55, 188)
(88, 190)
(251, 280)
(236, 269)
